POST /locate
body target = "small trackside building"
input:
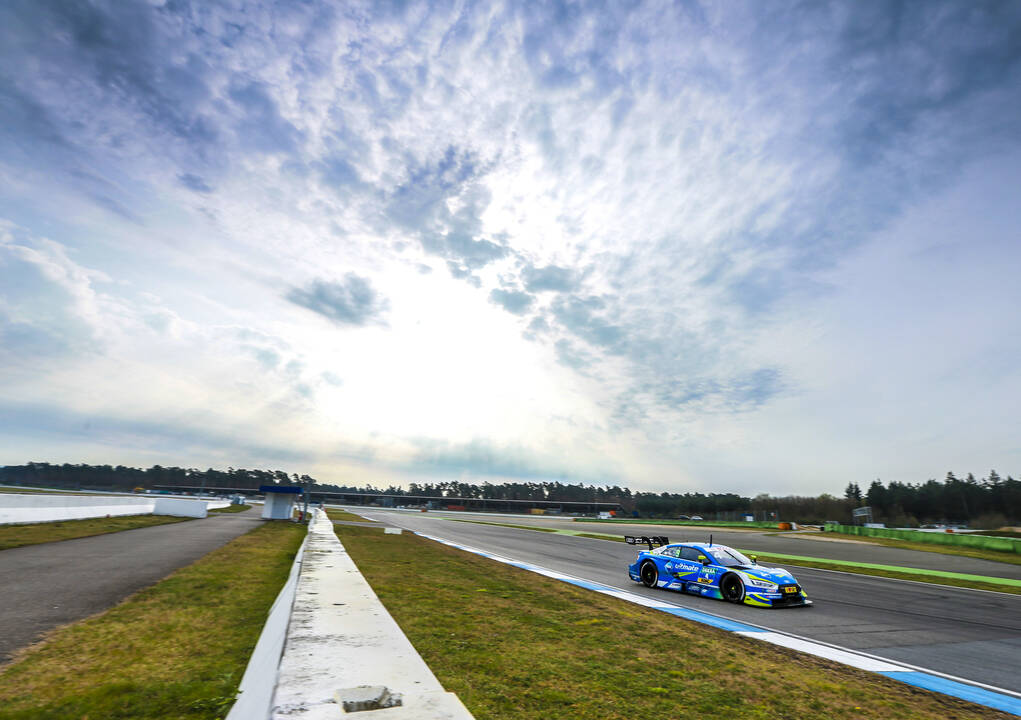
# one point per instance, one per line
(280, 501)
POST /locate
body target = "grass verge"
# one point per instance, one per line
(696, 523)
(883, 572)
(977, 553)
(12, 536)
(345, 516)
(914, 574)
(997, 533)
(516, 645)
(175, 650)
(519, 527)
(231, 509)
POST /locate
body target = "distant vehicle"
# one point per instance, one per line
(697, 517)
(715, 571)
(683, 517)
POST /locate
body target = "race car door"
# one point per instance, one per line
(705, 574)
(668, 557)
(688, 567)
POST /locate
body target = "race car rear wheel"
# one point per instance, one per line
(732, 589)
(650, 575)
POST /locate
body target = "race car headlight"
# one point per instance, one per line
(762, 584)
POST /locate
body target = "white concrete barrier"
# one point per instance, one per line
(255, 694)
(51, 507)
(39, 507)
(180, 507)
(330, 648)
(345, 653)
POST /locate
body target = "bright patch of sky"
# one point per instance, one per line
(679, 246)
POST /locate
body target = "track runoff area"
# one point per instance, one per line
(956, 641)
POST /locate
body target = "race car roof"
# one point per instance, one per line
(702, 546)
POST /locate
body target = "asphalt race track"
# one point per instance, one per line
(832, 546)
(48, 585)
(967, 633)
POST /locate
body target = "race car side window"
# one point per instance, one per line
(671, 551)
(690, 553)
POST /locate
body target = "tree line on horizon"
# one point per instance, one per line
(992, 500)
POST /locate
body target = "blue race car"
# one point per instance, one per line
(715, 571)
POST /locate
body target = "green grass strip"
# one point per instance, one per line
(695, 523)
(176, 650)
(515, 645)
(976, 540)
(12, 536)
(1010, 558)
(993, 584)
(896, 568)
(511, 525)
(980, 582)
(345, 516)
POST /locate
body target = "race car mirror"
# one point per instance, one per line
(754, 559)
(643, 540)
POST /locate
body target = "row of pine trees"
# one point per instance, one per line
(990, 501)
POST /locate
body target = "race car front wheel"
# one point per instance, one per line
(732, 589)
(650, 575)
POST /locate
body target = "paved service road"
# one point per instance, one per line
(45, 586)
(967, 633)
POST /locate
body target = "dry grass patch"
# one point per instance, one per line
(12, 536)
(516, 645)
(175, 650)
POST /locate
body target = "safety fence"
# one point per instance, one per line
(984, 542)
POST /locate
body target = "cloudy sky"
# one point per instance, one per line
(760, 247)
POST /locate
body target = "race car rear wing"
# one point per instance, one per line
(642, 539)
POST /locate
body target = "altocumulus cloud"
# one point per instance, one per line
(351, 301)
(551, 277)
(513, 301)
